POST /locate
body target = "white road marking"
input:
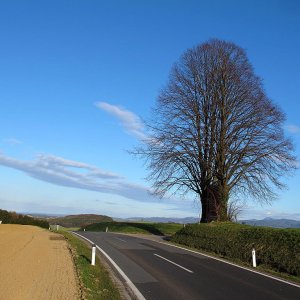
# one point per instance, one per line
(229, 263)
(120, 239)
(133, 288)
(172, 262)
(221, 260)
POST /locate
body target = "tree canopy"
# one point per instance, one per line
(215, 132)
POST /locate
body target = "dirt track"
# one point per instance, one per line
(35, 264)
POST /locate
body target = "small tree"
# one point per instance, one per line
(215, 132)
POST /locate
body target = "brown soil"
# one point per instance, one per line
(35, 264)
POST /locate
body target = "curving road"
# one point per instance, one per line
(161, 271)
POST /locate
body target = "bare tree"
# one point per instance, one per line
(234, 209)
(215, 132)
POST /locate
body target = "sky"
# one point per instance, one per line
(77, 79)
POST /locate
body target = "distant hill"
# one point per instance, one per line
(186, 220)
(79, 220)
(270, 222)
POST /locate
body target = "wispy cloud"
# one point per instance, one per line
(294, 129)
(129, 120)
(12, 141)
(69, 173)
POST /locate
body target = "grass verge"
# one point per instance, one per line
(95, 280)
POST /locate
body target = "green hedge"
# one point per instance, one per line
(135, 227)
(13, 218)
(125, 227)
(277, 249)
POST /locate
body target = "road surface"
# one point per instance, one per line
(160, 271)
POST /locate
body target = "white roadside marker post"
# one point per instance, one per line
(93, 254)
(253, 258)
(83, 229)
(106, 229)
(0, 222)
(57, 227)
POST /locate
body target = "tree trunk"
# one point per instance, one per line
(222, 207)
(209, 208)
(214, 203)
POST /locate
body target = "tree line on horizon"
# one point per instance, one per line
(8, 217)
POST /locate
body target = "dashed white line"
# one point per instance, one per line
(230, 263)
(172, 262)
(120, 239)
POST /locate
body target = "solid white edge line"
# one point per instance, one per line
(232, 264)
(134, 289)
(172, 262)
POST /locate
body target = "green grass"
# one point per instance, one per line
(168, 228)
(96, 281)
(61, 228)
(136, 227)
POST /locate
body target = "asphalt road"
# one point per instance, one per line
(160, 271)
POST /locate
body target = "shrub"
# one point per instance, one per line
(277, 249)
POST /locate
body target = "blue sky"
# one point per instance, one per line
(78, 77)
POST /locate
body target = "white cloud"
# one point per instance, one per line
(130, 121)
(12, 141)
(68, 173)
(59, 164)
(294, 129)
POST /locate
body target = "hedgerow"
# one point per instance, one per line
(135, 227)
(277, 249)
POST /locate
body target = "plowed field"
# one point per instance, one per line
(35, 264)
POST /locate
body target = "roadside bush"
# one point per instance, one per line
(277, 249)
